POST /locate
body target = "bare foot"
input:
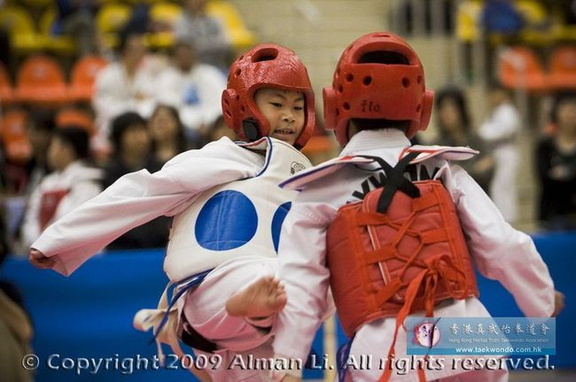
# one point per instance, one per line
(261, 299)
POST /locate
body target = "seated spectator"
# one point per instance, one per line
(72, 182)
(76, 18)
(22, 177)
(217, 130)
(205, 32)
(16, 328)
(195, 89)
(167, 133)
(131, 152)
(127, 84)
(556, 167)
(455, 129)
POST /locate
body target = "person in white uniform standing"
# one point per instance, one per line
(500, 131)
(377, 102)
(228, 210)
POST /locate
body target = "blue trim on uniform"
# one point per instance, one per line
(268, 158)
(342, 356)
(322, 167)
(186, 284)
(277, 220)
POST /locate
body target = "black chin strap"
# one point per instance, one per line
(251, 130)
(395, 180)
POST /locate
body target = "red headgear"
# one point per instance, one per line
(365, 86)
(266, 65)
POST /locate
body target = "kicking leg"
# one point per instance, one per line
(260, 299)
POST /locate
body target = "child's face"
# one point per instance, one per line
(135, 141)
(449, 115)
(284, 111)
(59, 154)
(163, 126)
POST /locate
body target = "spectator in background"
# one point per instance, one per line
(194, 88)
(72, 182)
(128, 84)
(219, 129)
(455, 129)
(205, 32)
(76, 18)
(40, 127)
(132, 152)
(21, 178)
(167, 133)
(499, 132)
(556, 167)
(16, 328)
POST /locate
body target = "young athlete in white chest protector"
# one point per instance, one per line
(379, 101)
(228, 210)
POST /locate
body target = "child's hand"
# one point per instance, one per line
(558, 303)
(38, 259)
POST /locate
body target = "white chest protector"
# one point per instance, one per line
(236, 219)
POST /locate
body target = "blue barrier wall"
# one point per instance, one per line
(89, 314)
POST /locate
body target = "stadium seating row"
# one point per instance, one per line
(29, 36)
(40, 79)
(521, 67)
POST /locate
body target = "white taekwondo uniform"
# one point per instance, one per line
(230, 227)
(498, 250)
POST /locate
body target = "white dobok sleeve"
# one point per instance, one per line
(499, 251)
(139, 197)
(303, 271)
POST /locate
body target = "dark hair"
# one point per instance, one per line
(180, 134)
(77, 137)
(42, 119)
(558, 99)
(457, 95)
(383, 57)
(122, 123)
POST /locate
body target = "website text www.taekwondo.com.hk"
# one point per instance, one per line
(468, 341)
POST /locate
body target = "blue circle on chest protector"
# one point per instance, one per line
(228, 220)
(277, 221)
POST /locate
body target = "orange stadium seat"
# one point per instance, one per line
(40, 80)
(69, 116)
(7, 95)
(562, 67)
(519, 67)
(83, 75)
(13, 136)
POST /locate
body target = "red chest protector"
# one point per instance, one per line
(398, 251)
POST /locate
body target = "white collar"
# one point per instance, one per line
(375, 139)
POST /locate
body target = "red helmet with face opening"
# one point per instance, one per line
(266, 65)
(379, 76)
